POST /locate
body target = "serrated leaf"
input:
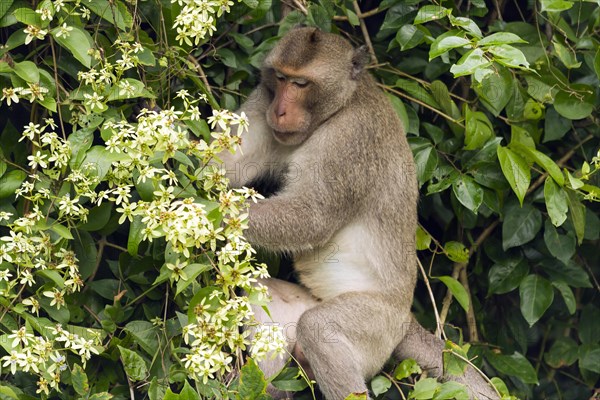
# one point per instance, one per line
(536, 296)
(77, 41)
(516, 171)
(458, 291)
(406, 368)
(252, 381)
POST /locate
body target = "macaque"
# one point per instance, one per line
(334, 154)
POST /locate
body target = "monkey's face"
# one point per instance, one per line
(288, 114)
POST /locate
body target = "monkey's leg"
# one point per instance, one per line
(289, 302)
(348, 338)
(426, 349)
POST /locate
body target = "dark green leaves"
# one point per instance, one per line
(520, 225)
(77, 41)
(536, 296)
(514, 365)
(515, 170)
(575, 103)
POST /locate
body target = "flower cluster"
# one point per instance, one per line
(197, 19)
(46, 356)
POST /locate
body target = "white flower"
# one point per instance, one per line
(11, 95)
(64, 31)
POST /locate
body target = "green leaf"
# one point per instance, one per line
(431, 13)
(467, 24)
(290, 380)
(597, 63)
(536, 296)
(118, 15)
(560, 246)
(566, 56)
(409, 36)
(252, 381)
(456, 251)
(514, 365)
(589, 324)
(577, 103)
(136, 234)
(400, 109)
(192, 271)
(423, 239)
(5, 6)
(556, 202)
(555, 5)
(590, 360)
(77, 41)
(520, 225)
(442, 44)
(145, 335)
(27, 71)
(509, 56)
(28, 16)
(425, 389)
(562, 353)
(10, 182)
(129, 89)
(380, 384)
(453, 363)
(516, 171)
(80, 380)
(555, 126)
(468, 192)
(406, 368)
(188, 393)
(496, 90)
(500, 38)
(577, 212)
(567, 295)
(426, 161)
(452, 390)
(478, 129)
(471, 61)
(542, 160)
(134, 364)
(506, 277)
(458, 291)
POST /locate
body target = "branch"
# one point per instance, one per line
(365, 32)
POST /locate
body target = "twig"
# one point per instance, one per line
(200, 71)
(365, 14)
(300, 7)
(432, 297)
(471, 320)
(365, 32)
(480, 372)
(421, 103)
(393, 380)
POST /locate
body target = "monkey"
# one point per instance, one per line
(344, 205)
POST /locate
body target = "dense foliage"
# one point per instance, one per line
(122, 249)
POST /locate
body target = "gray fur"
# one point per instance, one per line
(348, 213)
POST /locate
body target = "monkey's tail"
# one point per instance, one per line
(425, 348)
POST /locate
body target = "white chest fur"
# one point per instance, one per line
(343, 265)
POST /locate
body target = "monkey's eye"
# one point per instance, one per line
(300, 82)
(279, 76)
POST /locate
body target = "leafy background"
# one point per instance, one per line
(500, 104)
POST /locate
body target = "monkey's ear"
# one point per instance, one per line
(315, 35)
(360, 59)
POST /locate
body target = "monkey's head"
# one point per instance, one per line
(309, 75)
